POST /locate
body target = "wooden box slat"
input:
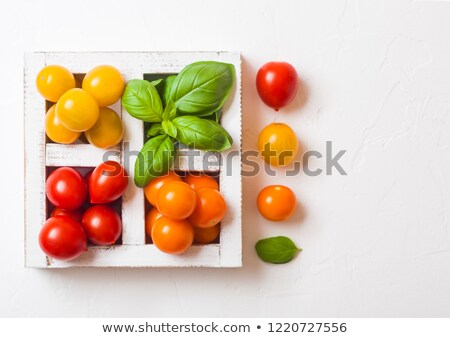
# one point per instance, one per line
(78, 155)
(144, 255)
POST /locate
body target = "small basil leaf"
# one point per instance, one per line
(166, 88)
(154, 160)
(165, 115)
(276, 250)
(141, 100)
(202, 134)
(155, 83)
(170, 111)
(155, 129)
(202, 87)
(169, 128)
(218, 115)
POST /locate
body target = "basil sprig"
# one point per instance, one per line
(182, 108)
(276, 250)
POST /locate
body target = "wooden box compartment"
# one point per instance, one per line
(134, 248)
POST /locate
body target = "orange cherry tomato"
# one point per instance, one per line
(176, 200)
(210, 208)
(107, 131)
(198, 181)
(152, 216)
(278, 144)
(105, 84)
(53, 81)
(172, 236)
(77, 110)
(56, 131)
(276, 202)
(206, 235)
(152, 188)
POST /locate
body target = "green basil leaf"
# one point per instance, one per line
(169, 128)
(170, 111)
(276, 250)
(166, 89)
(202, 134)
(204, 115)
(156, 83)
(155, 129)
(142, 101)
(202, 87)
(154, 160)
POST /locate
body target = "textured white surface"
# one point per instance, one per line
(376, 242)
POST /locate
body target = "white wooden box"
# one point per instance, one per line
(133, 252)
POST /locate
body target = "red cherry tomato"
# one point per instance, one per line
(277, 84)
(76, 215)
(66, 188)
(107, 182)
(102, 225)
(62, 238)
(87, 176)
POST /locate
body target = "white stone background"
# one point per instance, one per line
(377, 78)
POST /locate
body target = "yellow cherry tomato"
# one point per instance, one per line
(77, 110)
(53, 81)
(278, 144)
(56, 131)
(107, 131)
(105, 84)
